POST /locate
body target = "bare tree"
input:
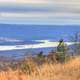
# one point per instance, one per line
(76, 39)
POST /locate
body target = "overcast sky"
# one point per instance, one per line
(51, 12)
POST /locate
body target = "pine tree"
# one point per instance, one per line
(61, 49)
(62, 46)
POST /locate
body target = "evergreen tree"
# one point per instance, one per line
(61, 49)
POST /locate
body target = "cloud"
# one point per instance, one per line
(25, 1)
(4, 1)
(39, 15)
(53, 8)
(24, 8)
(71, 2)
(41, 12)
(32, 1)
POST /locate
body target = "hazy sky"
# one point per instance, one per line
(54, 12)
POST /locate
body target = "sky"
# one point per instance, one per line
(47, 12)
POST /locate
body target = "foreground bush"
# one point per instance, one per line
(47, 71)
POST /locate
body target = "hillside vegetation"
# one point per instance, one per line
(47, 71)
(57, 65)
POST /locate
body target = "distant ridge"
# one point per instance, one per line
(39, 24)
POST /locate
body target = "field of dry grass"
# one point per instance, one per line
(48, 71)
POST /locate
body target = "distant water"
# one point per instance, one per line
(27, 34)
(33, 32)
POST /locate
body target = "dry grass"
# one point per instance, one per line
(48, 71)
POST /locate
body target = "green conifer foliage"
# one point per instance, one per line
(61, 49)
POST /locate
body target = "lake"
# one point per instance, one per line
(18, 40)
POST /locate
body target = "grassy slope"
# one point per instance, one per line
(67, 71)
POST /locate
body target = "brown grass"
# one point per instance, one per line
(48, 71)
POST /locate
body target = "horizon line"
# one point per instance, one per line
(40, 24)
